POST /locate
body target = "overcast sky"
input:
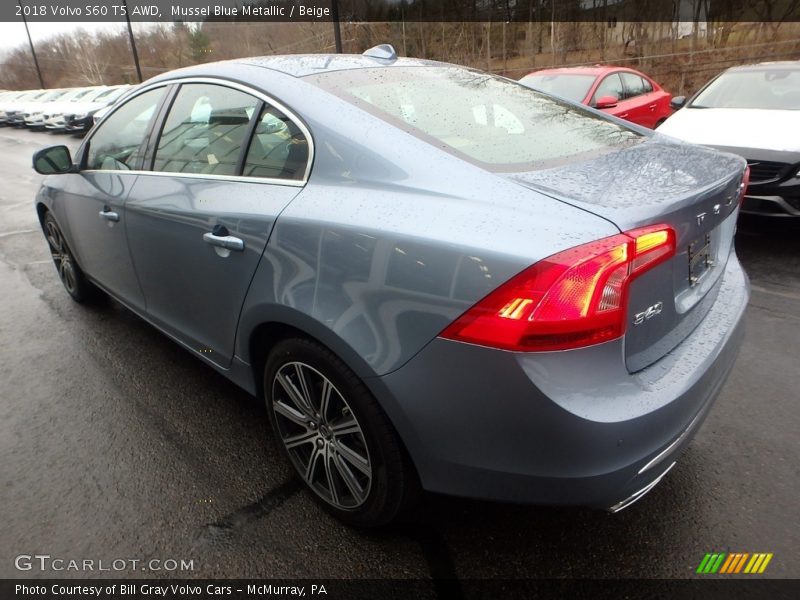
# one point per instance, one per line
(13, 34)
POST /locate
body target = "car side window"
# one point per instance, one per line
(648, 87)
(205, 130)
(278, 150)
(634, 85)
(117, 143)
(610, 86)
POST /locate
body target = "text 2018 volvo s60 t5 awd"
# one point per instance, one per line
(434, 276)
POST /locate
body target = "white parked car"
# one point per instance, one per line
(54, 114)
(7, 102)
(82, 118)
(752, 111)
(33, 111)
(14, 113)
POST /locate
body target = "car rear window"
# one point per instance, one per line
(489, 120)
(566, 85)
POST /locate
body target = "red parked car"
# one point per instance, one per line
(621, 92)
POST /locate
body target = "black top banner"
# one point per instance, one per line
(611, 11)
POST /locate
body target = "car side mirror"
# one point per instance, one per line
(606, 102)
(677, 102)
(53, 160)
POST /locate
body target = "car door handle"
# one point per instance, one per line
(623, 115)
(653, 106)
(224, 241)
(108, 215)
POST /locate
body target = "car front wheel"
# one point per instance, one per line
(75, 282)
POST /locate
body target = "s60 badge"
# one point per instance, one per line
(651, 312)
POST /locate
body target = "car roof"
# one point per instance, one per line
(301, 65)
(582, 70)
(596, 70)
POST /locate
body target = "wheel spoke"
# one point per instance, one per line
(345, 426)
(54, 237)
(353, 457)
(304, 392)
(293, 393)
(325, 400)
(348, 478)
(54, 249)
(69, 277)
(306, 437)
(290, 413)
(329, 477)
(316, 453)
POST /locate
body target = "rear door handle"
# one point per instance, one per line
(224, 241)
(623, 115)
(653, 106)
(108, 214)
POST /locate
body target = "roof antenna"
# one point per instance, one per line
(382, 52)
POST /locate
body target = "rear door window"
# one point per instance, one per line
(634, 85)
(205, 130)
(610, 86)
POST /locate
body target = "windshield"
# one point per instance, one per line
(108, 95)
(51, 96)
(117, 94)
(571, 87)
(483, 118)
(72, 94)
(84, 95)
(776, 89)
(95, 94)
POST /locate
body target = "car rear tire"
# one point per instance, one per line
(71, 275)
(335, 435)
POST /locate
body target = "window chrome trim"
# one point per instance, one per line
(264, 97)
(239, 178)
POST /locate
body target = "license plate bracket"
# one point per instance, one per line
(700, 261)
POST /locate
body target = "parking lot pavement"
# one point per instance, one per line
(115, 443)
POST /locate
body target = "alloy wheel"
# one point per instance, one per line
(61, 256)
(322, 436)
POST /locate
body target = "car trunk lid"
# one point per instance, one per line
(695, 190)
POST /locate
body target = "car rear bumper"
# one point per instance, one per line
(560, 428)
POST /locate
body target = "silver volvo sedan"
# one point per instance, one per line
(437, 279)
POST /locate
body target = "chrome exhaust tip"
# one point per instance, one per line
(640, 494)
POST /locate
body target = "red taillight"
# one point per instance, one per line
(571, 299)
(744, 184)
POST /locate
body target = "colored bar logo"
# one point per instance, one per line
(734, 562)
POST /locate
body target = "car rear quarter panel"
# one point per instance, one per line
(570, 427)
(392, 239)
